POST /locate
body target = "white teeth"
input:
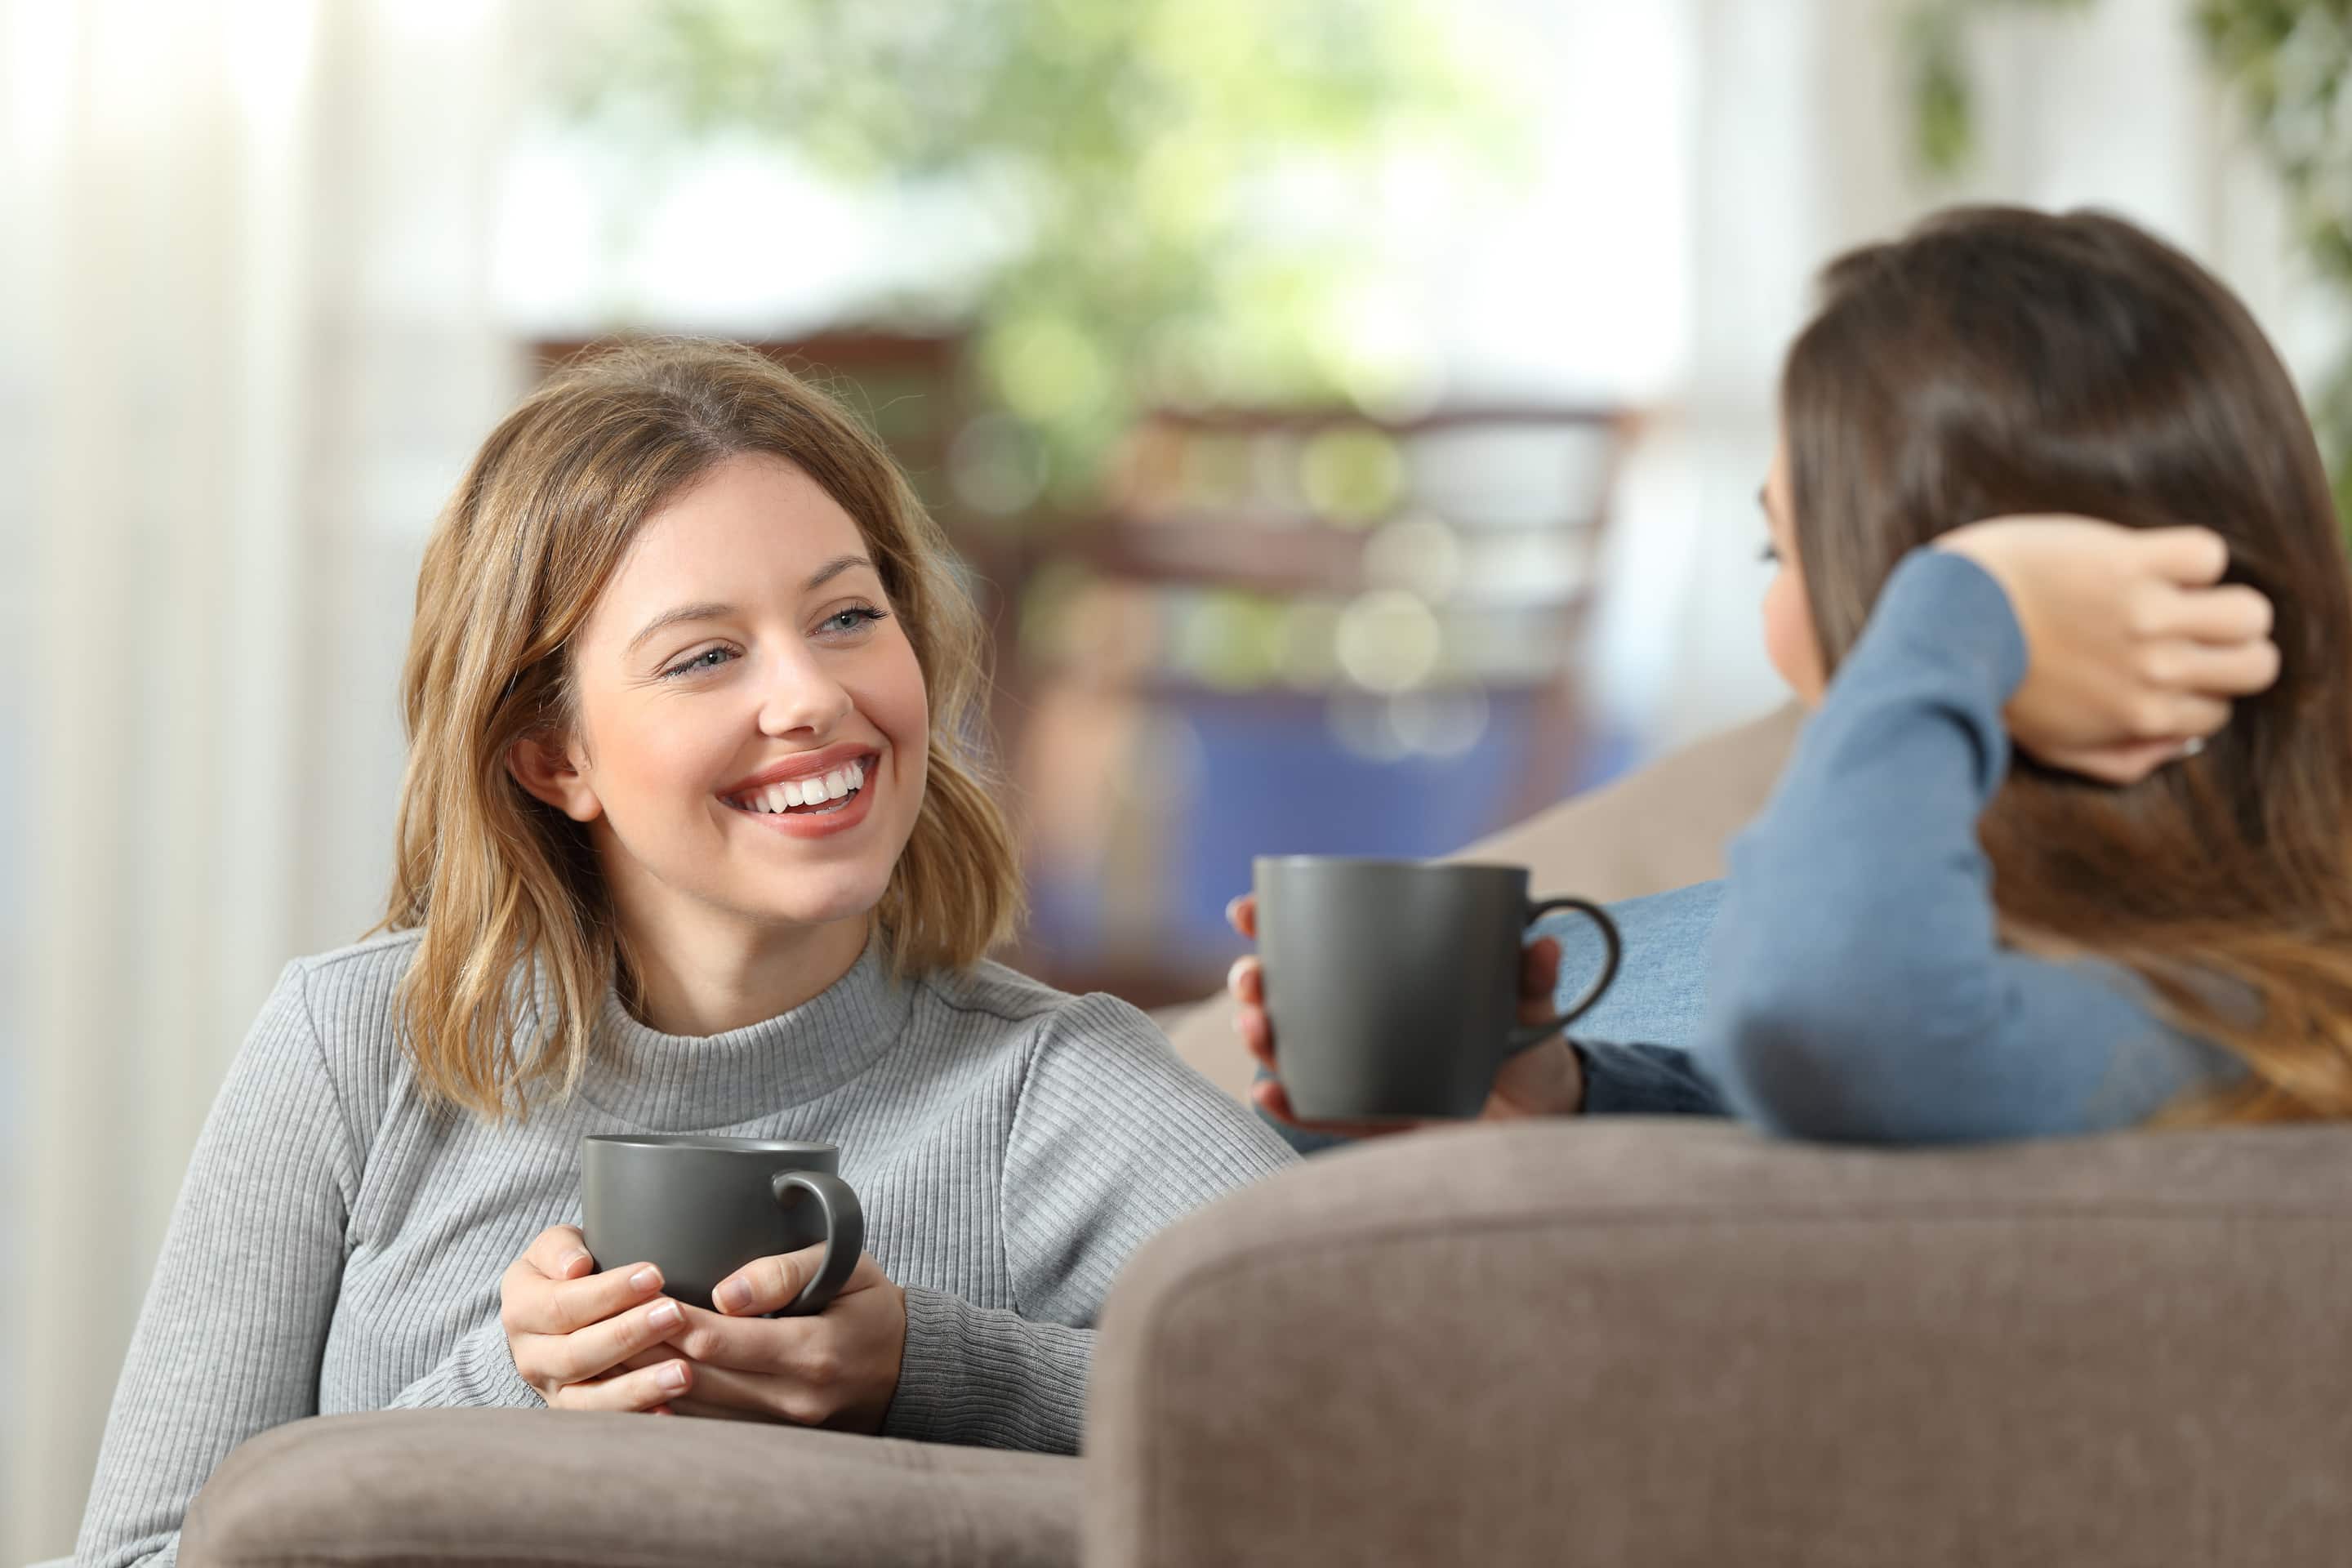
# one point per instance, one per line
(816, 790)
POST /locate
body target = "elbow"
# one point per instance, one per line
(1786, 1073)
(1803, 1056)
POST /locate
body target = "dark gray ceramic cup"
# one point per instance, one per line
(699, 1207)
(1393, 985)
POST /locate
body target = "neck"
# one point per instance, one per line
(725, 975)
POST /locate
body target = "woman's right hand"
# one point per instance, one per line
(2134, 647)
(569, 1331)
(1545, 1079)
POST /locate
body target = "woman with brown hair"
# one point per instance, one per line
(1921, 940)
(2009, 884)
(693, 839)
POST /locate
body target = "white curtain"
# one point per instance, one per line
(243, 349)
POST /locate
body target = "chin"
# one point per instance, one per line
(846, 900)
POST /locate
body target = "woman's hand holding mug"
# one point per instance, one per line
(575, 1335)
(836, 1369)
(1545, 1079)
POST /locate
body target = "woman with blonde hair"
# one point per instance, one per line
(692, 840)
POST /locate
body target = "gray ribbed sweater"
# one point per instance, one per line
(337, 1246)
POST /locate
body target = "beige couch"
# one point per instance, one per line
(1631, 1343)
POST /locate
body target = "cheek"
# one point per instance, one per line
(1788, 635)
(888, 687)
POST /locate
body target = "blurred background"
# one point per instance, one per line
(1349, 413)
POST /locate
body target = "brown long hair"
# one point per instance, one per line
(1998, 360)
(516, 923)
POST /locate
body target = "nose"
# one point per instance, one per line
(801, 696)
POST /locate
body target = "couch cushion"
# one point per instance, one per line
(521, 1487)
(1677, 1345)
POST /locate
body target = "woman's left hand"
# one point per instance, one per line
(836, 1369)
(2134, 647)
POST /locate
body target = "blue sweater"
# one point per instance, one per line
(1854, 987)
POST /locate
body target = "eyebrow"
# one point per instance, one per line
(711, 612)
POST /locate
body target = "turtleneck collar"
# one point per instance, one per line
(684, 1082)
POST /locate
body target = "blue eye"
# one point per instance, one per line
(850, 619)
(699, 662)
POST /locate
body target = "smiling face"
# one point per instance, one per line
(1789, 640)
(752, 737)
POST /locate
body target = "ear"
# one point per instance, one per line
(542, 763)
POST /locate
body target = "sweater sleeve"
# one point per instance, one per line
(479, 1371)
(230, 1337)
(1113, 1137)
(1858, 989)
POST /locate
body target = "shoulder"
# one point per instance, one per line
(1044, 1021)
(348, 991)
(339, 1008)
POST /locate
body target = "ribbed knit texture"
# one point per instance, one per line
(338, 1244)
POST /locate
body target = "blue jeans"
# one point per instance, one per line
(1658, 999)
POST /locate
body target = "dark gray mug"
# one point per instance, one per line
(699, 1207)
(1393, 985)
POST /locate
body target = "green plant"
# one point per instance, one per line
(2288, 61)
(1171, 178)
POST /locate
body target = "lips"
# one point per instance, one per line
(803, 767)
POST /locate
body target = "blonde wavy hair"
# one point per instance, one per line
(519, 945)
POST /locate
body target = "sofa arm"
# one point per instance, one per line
(538, 1489)
(1649, 1343)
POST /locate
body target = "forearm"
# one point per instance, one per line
(988, 1378)
(1858, 988)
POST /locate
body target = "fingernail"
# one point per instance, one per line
(646, 1279)
(665, 1316)
(576, 1259)
(733, 1295)
(673, 1375)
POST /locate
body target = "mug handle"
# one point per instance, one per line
(844, 1234)
(1526, 1035)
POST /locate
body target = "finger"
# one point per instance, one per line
(560, 1252)
(2123, 764)
(2185, 555)
(1270, 1095)
(2176, 715)
(567, 1306)
(765, 1284)
(1241, 913)
(771, 1347)
(1256, 1031)
(1246, 981)
(653, 1355)
(2231, 613)
(1539, 974)
(597, 1349)
(628, 1390)
(2207, 670)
